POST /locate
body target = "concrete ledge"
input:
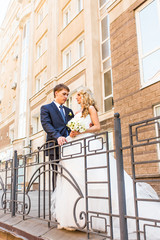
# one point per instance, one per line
(36, 229)
(6, 230)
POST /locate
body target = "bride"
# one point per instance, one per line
(79, 165)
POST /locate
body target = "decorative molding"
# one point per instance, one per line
(24, 14)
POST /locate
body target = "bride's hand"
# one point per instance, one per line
(74, 133)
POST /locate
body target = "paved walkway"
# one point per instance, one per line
(32, 228)
(35, 229)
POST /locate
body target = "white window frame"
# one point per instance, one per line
(107, 69)
(105, 40)
(143, 84)
(65, 64)
(42, 13)
(100, 6)
(158, 145)
(45, 42)
(40, 16)
(67, 10)
(38, 84)
(45, 9)
(1, 93)
(11, 133)
(36, 126)
(111, 95)
(69, 102)
(107, 3)
(39, 49)
(81, 40)
(79, 5)
(45, 75)
(42, 45)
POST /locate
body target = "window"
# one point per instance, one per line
(66, 59)
(40, 79)
(66, 16)
(69, 102)
(105, 38)
(45, 42)
(11, 133)
(24, 31)
(42, 45)
(45, 8)
(80, 5)
(39, 50)
(108, 96)
(148, 32)
(72, 102)
(157, 113)
(40, 16)
(106, 64)
(102, 2)
(36, 125)
(38, 84)
(23, 81)
(43, 12)
(81, 48)
(105, 2)
(14, 83)
(45, 75)
(1, 94)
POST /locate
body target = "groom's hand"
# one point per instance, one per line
(61, 140)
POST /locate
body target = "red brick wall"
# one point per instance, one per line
(133, 104)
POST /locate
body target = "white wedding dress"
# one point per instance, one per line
(68, 199)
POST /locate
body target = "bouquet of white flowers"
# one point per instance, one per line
(77, 124)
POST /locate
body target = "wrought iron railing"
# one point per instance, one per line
(27, 183)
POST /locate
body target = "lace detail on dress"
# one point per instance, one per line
(86, 120)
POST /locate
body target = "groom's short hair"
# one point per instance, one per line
(60, 87)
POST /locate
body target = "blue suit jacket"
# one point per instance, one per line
(52, 121)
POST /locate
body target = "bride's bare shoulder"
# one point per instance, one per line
(91, 108)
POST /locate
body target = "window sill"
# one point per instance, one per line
(36, 135)
(149, 84)
(41, 55)
(71, 67)
(106, 115)
(38, 25)
(64, 27)
(110, 4)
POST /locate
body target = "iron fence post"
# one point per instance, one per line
(5, 189)
(24, 187)
(120, 178)
(14, 183)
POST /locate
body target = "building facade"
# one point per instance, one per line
(110, 46)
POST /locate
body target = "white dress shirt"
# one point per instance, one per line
(57, 104)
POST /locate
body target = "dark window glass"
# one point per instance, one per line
(108, 104)
(107, 83)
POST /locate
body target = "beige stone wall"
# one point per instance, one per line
(49, 30)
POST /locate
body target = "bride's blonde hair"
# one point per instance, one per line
(87, 101)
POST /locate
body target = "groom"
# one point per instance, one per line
(54, 117)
